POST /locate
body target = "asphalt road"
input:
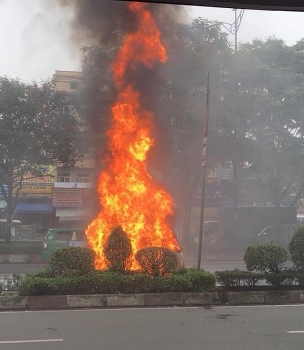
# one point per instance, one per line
(21, 268)
(227, 328)
(6, 269)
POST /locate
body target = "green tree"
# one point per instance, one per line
(38, 127)
(277, 124)
(118, 250)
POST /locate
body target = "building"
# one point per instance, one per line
(74, 193)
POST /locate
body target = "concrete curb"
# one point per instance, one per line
(265, 297)
(15, 302)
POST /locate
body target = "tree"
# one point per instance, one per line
(118, 250)
(38, 127)
(277, 124)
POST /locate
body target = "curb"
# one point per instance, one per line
(15, 302)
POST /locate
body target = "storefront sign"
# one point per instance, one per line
(35, 189)
(67, 197)
(46, 174)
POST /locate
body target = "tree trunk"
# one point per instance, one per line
(235, 183)
(9, 215)
(8, 229)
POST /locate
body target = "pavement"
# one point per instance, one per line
(227, 328)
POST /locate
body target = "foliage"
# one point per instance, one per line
(105, 282)
(296, 248)
(72, 261)
(118, 250)
(265, 257)
(237, 278)
(157, 261)
(38, 127)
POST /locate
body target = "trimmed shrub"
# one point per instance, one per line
(157, 261)
(265, 258)
(237, 278)
(200, 280)
(118, 250)
(104, 282)
(75, 261)
(296, 249)
(35, 286)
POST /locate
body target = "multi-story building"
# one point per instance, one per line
(74, 194)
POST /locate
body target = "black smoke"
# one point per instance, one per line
(104, 24)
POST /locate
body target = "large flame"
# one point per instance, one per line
(129, 197)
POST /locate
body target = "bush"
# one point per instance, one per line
(296, 249)
(265, 258)
(118, 250)
(157, 261)
(72, 261)
(237, 278)
(104, 282)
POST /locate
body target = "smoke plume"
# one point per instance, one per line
(96, 21)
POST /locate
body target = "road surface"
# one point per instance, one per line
(227, 328)
(21, 268)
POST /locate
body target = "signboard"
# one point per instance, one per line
(67, 197)
(36, 189)
(47, 175)
(196, 211)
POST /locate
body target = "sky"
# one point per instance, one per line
(35, 40)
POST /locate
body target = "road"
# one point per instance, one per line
(21, 268)
(6, 269)
(228, 328)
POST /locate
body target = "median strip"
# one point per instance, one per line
(31, 341)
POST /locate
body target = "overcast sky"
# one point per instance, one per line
(35, 42)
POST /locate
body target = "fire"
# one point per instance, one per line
(129, 196)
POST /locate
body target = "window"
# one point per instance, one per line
(64, 177)
(81, 236)
(83, 177)
(64, 236)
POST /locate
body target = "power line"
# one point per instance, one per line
(234, 27)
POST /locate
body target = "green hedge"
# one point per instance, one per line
(99, 282)
(21, 247)
(237, 278)
(76, 261)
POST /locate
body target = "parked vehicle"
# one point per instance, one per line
(57, 238)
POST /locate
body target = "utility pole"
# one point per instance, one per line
(234, 27)
(204, 168)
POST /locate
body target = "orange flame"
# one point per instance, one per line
(129, 197)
